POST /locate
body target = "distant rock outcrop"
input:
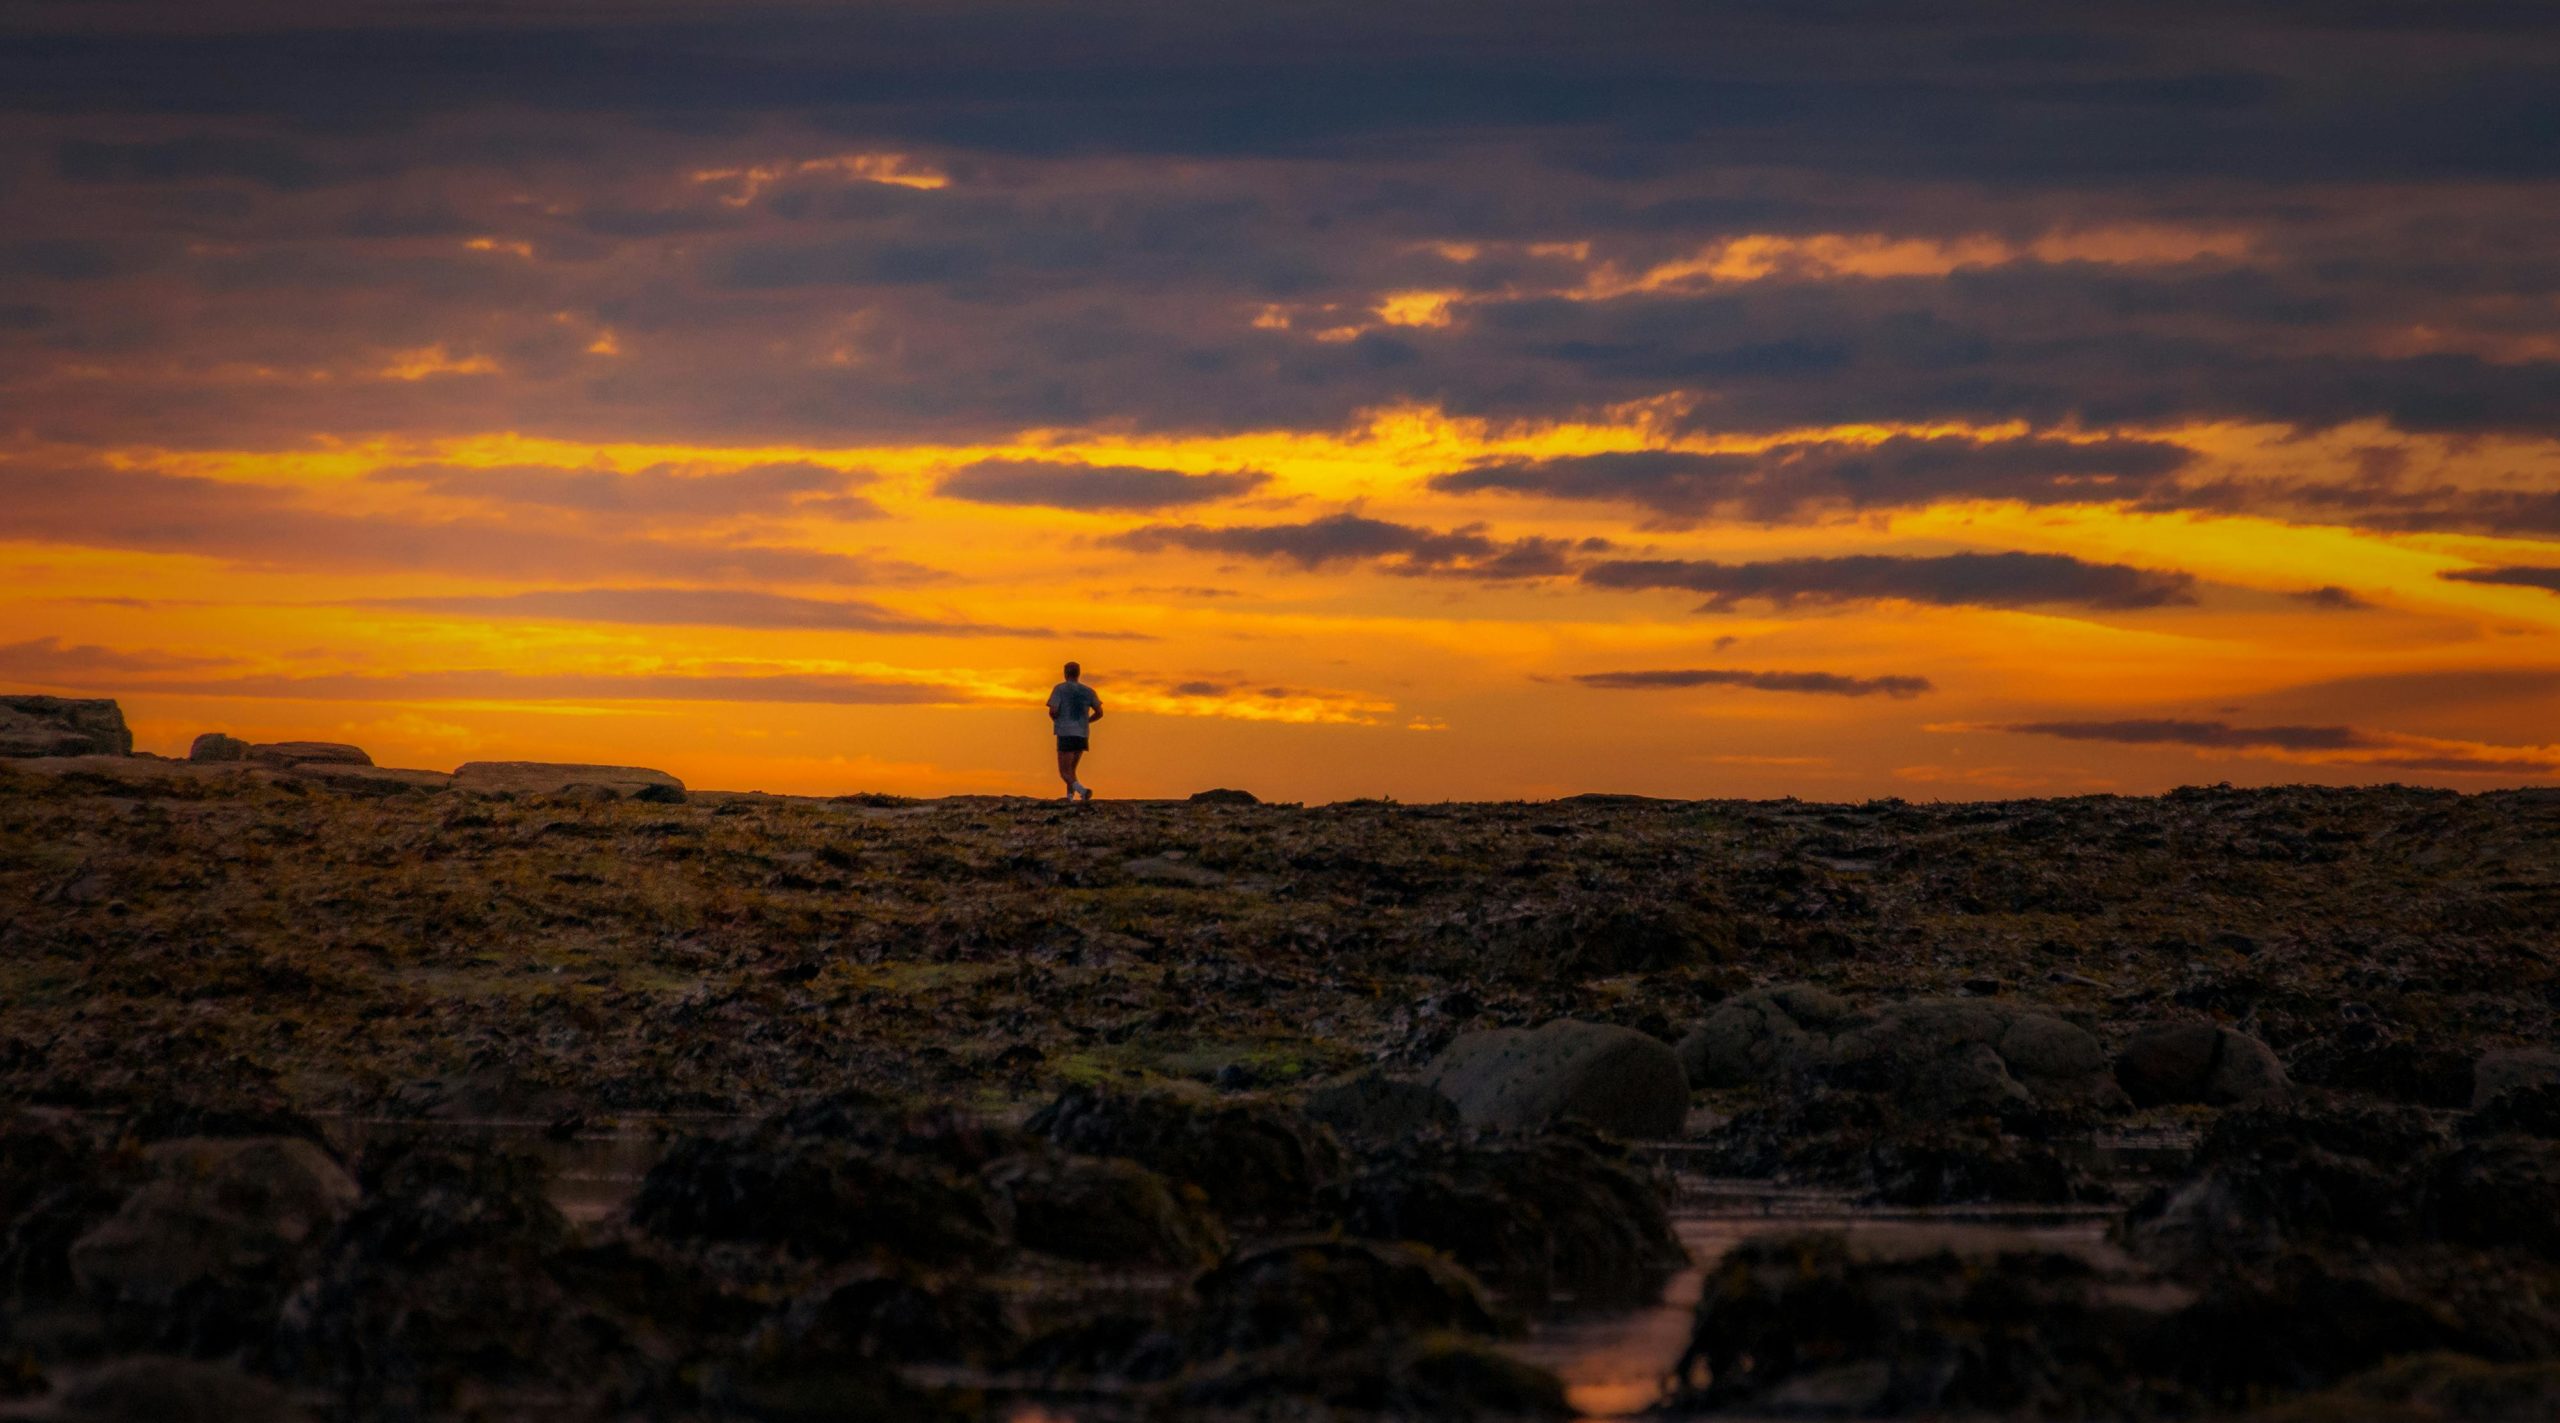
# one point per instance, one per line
(215, 746)
(1224, 796)
(308, 753)
(559, 777)
(62, 726)
(1528, 1079)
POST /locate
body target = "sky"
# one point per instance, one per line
(1434, 400)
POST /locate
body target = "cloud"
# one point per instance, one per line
(2333, 597)
(660, 490)
(698, 607)
(267, 526)
(1992, 580)
(2213, 734)
(1466, 552)
(2547, 579)
(1062, 485)
(1822, 683)
(1792, 479)
(492, 684)
(52, 661)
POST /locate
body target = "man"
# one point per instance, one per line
(1073, 709)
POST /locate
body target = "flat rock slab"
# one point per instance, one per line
(1528, 1079)
(308, 753)
(554, 777)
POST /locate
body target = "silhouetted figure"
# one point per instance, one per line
(1073, 709)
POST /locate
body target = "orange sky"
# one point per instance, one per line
(1657, 404)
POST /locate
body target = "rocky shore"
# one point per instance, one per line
(1005, 1109)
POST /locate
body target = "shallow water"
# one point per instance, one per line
(1617, 1364)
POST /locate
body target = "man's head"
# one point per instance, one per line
(1074, 670)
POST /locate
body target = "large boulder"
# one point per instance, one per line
(1902, 1322)
(214, 1240)
(62, 726)
(1529, 1079)
(1106, 1210)
(1964, 1057)
(2508, 1069)
(308, 753)
(165, 1390)
(1764, 1036)
(1379, 1108)
(559, 777)
(1253, 1158)
(215, 746)
(2198, 1063)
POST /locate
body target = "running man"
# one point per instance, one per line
(1073, 709)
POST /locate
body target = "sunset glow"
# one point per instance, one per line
(1493, 456)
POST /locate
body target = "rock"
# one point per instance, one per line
(1435, 1376)
(215, 746)
(58, 1182)
(2503, 1193)
(1333, 1293)
(1529, 1079)
(1764, 1036)
(2438, 1387)
(1105, 1210)
(1224, 796)
(211, 1244)
(1177, 873)
(1938, 1167)
(1253, 1158)
(1952, 1057)
(554, 778)
(1537, 1217)
(2198, 1063)
(157, 1390)
(1893, 1322)
(1377, 1108)
(2507, 1069)
(2266, 1180)
(1605, 938)
(1860, 1142)
(889, 1315)
(62, 726)
(828, 1200)
(308, 753)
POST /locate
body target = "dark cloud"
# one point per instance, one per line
(1792, 479)
(50, 661)
(2513, 577)
(656, 491)
(2332, 597)
(1061, 485)
(1354, 538)
(492, 684)
(1821, 683)
(266, 526)
(2211, 734)
(1991, 580)
(699, 607)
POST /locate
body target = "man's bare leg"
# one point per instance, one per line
(1067, 768)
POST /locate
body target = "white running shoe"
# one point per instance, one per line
(1084, 792)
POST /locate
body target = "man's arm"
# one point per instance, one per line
(1096, 713)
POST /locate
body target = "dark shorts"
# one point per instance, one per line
(1075, 743)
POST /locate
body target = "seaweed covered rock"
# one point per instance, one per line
(1963, 1057)
(1896, 1323)
(166, 1390)
(2266, 1179)
(887, 1315)
(1605, 937)
(1105, 1210)
(2437, 1387)
(1374, 1107)
(1764, 1036)
(934, 1131)
(2512, 1069)
(2503, 1192)
(1529, 1079)
(199, 1258)
(1536, 1217)
(819, 1197)
(1432, 1376)
(2198, 1063)
(1334, 1294)
(455, 1282)
(1861, 1142)
(1252, 1157)
(58, 1182)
